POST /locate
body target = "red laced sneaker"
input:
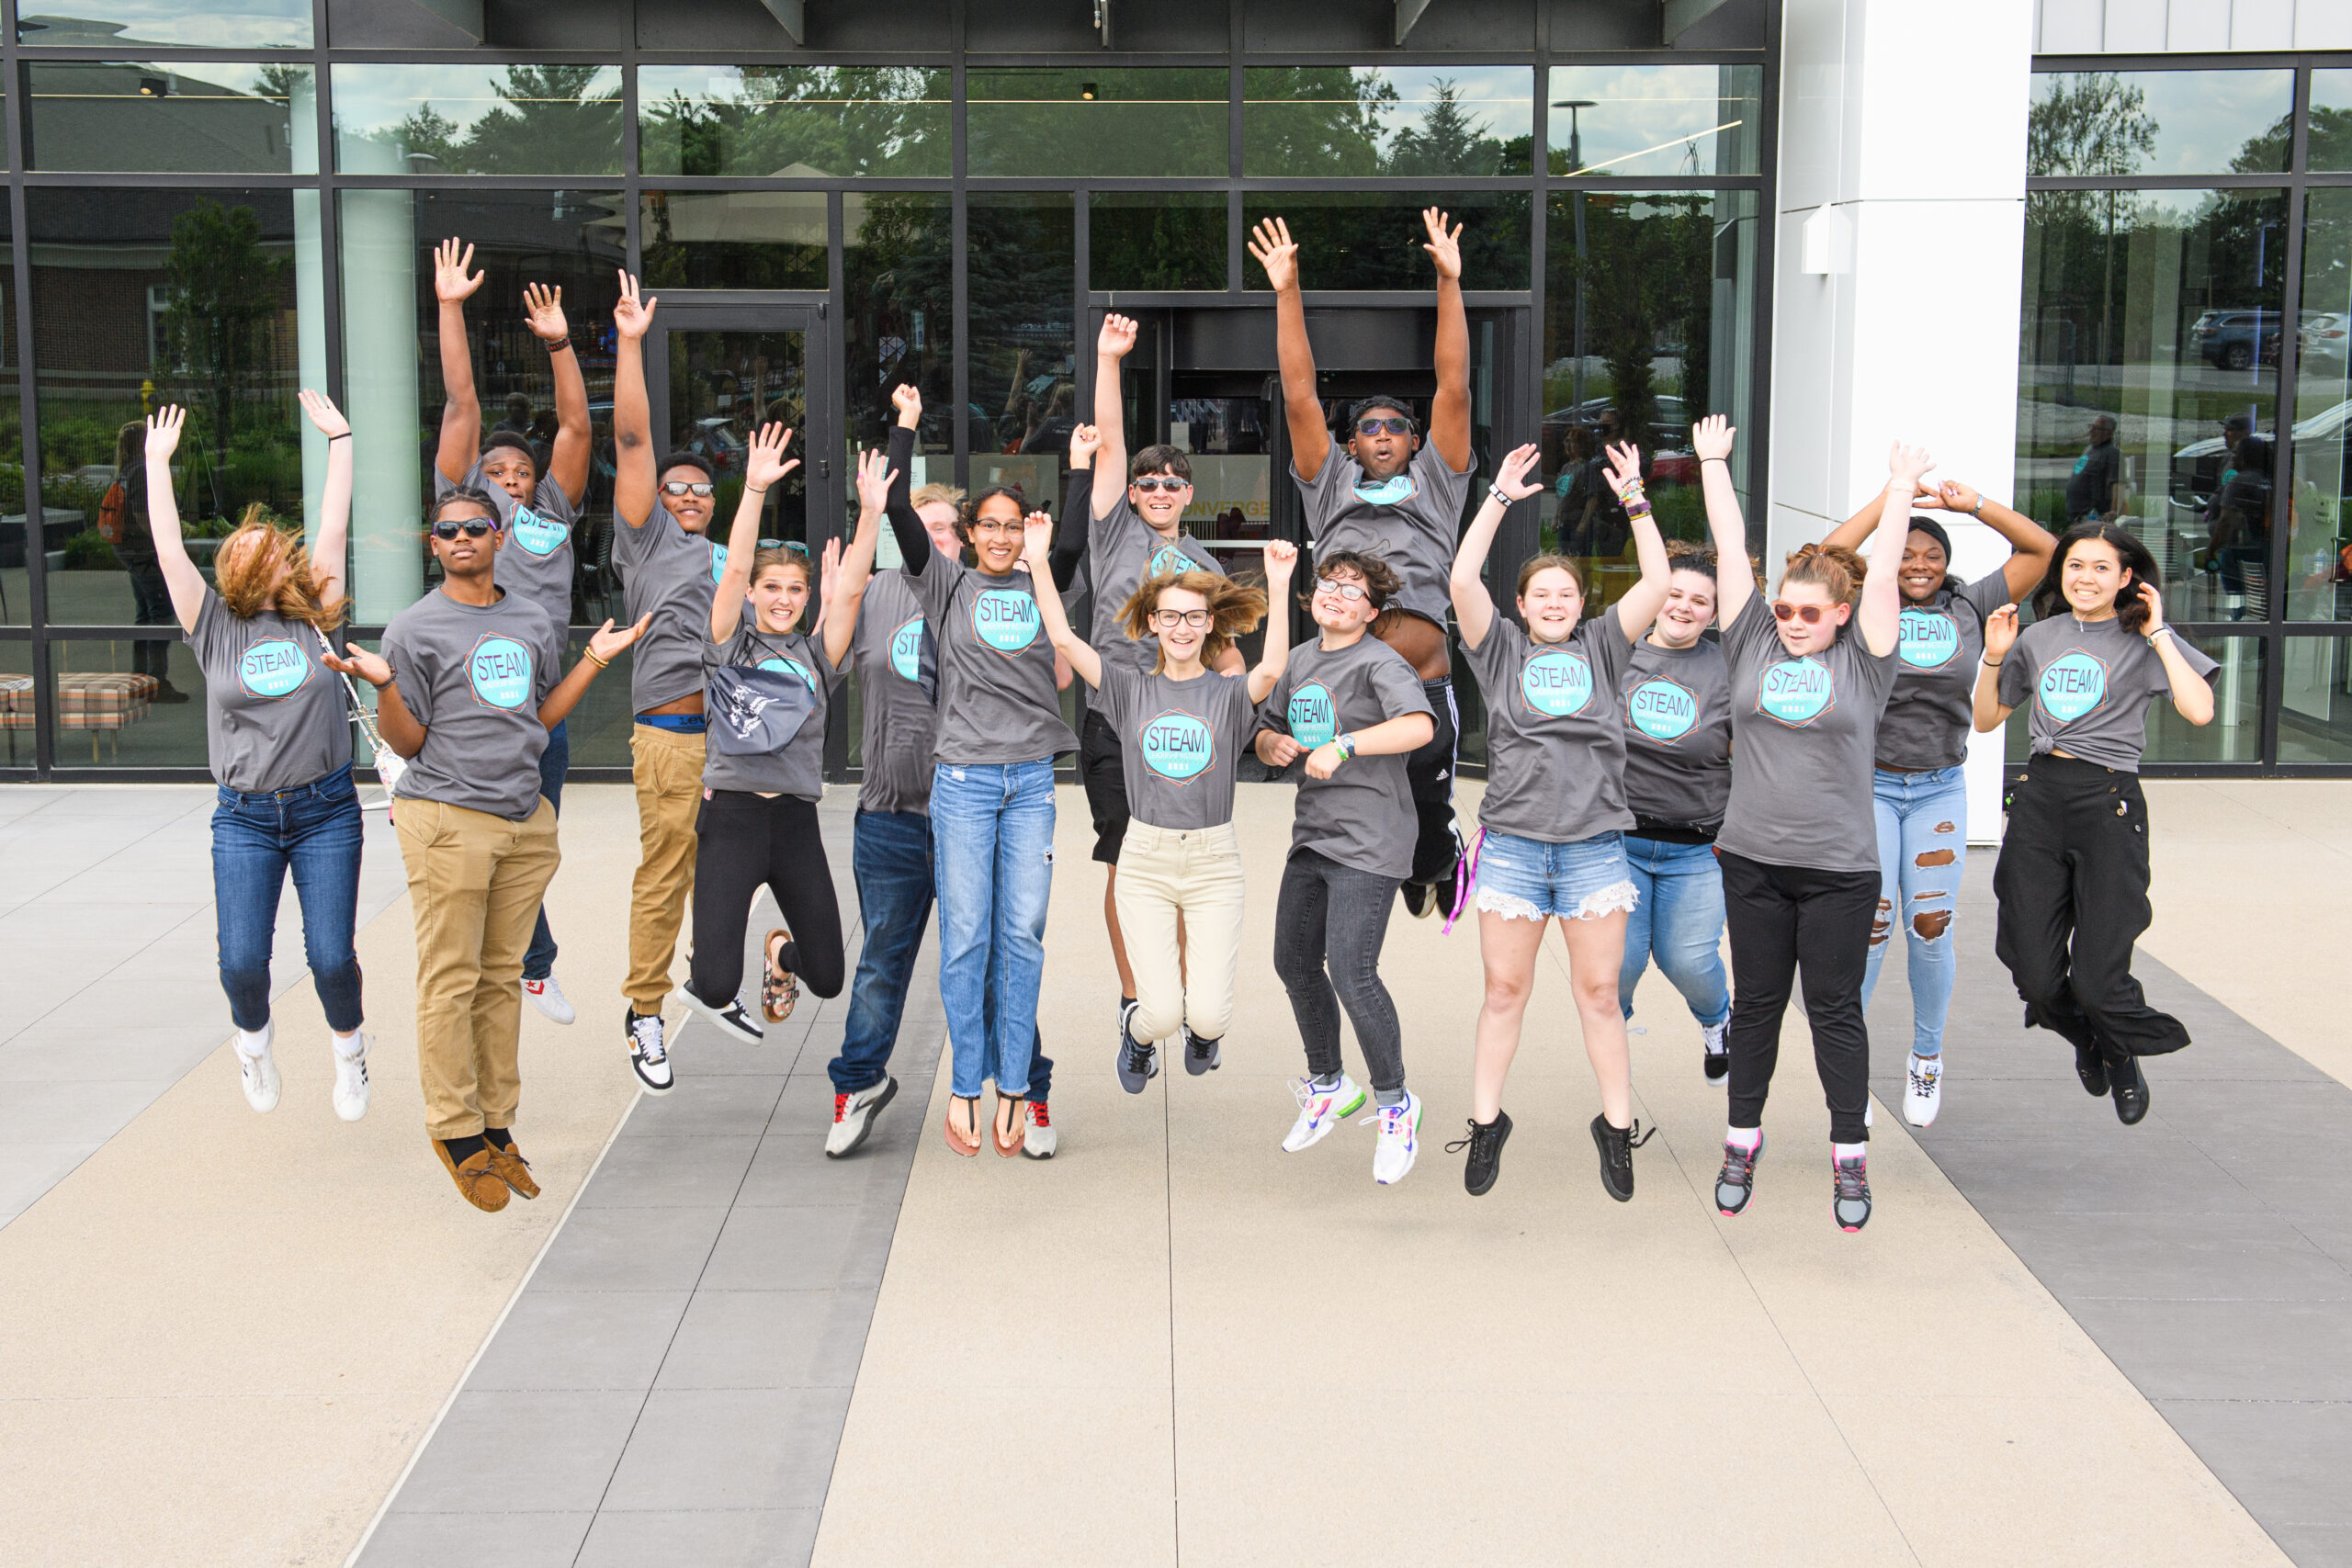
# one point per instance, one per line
(1038, 1139)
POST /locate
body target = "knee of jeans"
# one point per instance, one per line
(1931, 916)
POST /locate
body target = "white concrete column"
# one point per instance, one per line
(380, 355)
(1896, 285)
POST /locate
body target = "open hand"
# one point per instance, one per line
(2001, 632)
(324, 414)
(1624, 468)
(828, 571)
(1037, 539)
(1712, 437)
(1271, 242)
(369, 667)
(874, 477)
(1511, 478)
(764, 460)
(632, 316)
(1118, 337)
(908, 400)
(543, 311)
(1084, 442)
(606, 642)
(451, 282)
(1445, 247)
(164, 430)
(1908, 463)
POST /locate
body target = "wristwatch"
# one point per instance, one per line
(1345, 745)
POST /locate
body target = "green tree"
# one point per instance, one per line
(2086, 123)
(226, 291)
(1448, 140)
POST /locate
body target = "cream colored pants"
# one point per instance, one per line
(667, 768)
(1196, 872)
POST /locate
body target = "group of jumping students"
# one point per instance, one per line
(1613, 804)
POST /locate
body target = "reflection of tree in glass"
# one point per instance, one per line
(839, 121)
(1648, 274)
(1448, 140)
(1156, 244)
(545, 123)
(2089, 123)
(896, 279)
(1316, 120)
(1137, 122)
(225, 296)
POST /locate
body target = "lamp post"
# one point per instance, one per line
(1576, 166)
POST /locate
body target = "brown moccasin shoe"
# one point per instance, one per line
(476, 1181)
(509, 1166)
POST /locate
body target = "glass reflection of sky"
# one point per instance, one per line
(1658, 119)
(372, 100)
(1496, 97)
(2202, 119)
(221, 23)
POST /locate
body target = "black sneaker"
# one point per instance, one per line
(1617, 1145)
(1420, 898)
(1139, 1063)
(730, 1018)
(2091, 1068)
(1718, 1053)
(1201, 1055)
(1485, 1141)
(2128, 1084)
(1735, 1183)
(1850, 1199)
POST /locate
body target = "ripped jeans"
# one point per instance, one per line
(1922, 850)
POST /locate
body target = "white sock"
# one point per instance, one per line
(251, 1043)
(1745, 1137)
(1848, 1151)
(350, 1047)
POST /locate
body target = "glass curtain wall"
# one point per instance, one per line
(222, 207)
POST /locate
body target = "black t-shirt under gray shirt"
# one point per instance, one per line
(1806, 731)
(670, 573)
(2090, 684)
(1411, 521)
(896, 660)
(474, 676)
(1362, 815)
(1677, 736)
(274, 715)
(535, 560)
(1930, 710)
(1179, 740)
(1122, 551)
(1554, 745)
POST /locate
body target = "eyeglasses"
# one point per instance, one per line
(999, 526)
(680, 487)
(1181, 617)
(1151, 483)
(473, 528)
(1391, 426)
(1809, 614)
(1344, 589)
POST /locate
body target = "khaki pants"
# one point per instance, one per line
(476, 882)
(1198, 873)
(667, 767)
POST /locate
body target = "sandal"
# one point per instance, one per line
(955, 1140)
(1009, 1104)
(779, 987)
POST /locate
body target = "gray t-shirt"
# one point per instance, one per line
(1677, 734)
(474, 676)
(1180, 740)
(1929, 711)
(535, 560)
(1362, 815)
(274, 715)
(668, 574)
(2090, 684)
(799, 767)
(1411, 521)
(896, 660)
(1120, 552)
(1806, 730)
(1556, 744)
(996, 701)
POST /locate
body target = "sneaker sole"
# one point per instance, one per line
(1029, 1153)
(568, 1015)
(889, 1092)
(648, 1085)
(1597, 1143)
(1714, 1081)
(1337, 1115)
(712, 1016)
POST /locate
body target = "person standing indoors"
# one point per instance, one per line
(1388, 495)
(1810, 672)
(669, 568)
(279, 742)
(538, 508)
(1182, 725)
(1553, 823)
(1677, 781)
(1353, 707)
(1919, 792)
(467, 689)
(2095, 490)
(2072, 882)
(768, 690)
(1137, 532)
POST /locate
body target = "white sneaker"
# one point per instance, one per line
(1400, 1140)
(853, 1116)
(648, 1058)
(732, 1018)
(548, 997)
(1038, 1139)
(1924, 1096)
(259, 1073)
(351, 1082)
(1321, 1109)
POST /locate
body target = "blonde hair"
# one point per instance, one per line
(1235, 607)
(929, 493)
(250, 557)
(1837, 570)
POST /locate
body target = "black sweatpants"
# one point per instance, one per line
(1785, 918)
(745, 841)
(2073, 885)
(1429, 770)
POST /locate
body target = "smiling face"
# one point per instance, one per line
(513, 471)
(1550, 604)
(778, 594)
(1334, 611)
(1801, 638)
(996, 534)
(1384, 454)
(2094, 573)
(466, 557)
(1924, 566)
(693, 511)
(939, 522)
(1180, 639)
(1690, 607)
(1160, 507)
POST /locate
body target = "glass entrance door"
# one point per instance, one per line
(717, 373)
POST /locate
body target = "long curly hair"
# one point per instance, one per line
(1235, 606)
(2138, 566)
(249, 557)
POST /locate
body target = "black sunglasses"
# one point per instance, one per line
(473, 528)
(680, 487)
(1152, 482)
(1376, 426)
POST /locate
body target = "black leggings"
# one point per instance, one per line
(746, 841)
(2073, 885)
(1329, 922)
(1785, 918)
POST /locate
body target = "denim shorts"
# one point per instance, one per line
(1530, 879)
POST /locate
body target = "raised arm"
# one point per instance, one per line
(2192, 696)
(1851, 534)
(2030, 544)
(180, 574)
(327, 549)
(1273, 657)
(1310, 439)
(635, 479)
(1473, 607)
(914, 542)
(1879, 616)
(1734, 578)
(1111, 349)
(604, 645)
(1069, 539)
(856, 563)
(1038, 545)
(1450, 410)
(763, 463)
(2000, 635)
(567, 464)
(460, 408)
(1640, 604)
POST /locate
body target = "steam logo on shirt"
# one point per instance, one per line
(540, 535)
(1394, 490)
(906, 650)
(1558, 685)
(2072, 684)
(500, 672)
(1795, 691)
(717, 563)
(1166, 559)
(1178, 746)
(790, 667)
(1314, 717)
(273, 670)
(1664, 710)
(1006, 619)
(1930, 639)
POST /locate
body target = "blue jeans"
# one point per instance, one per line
(312, 830)
(538, 962)
(1922, 850)
(1677, 919)
(993, 860)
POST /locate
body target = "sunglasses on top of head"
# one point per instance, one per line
(1376, 425)
(682, 487)
(1809, 614)
(1151, 482)
(472, 527)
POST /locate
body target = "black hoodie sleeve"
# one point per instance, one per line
(914, 543)
(1069, 539)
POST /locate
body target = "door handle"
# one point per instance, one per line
(824, 468)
